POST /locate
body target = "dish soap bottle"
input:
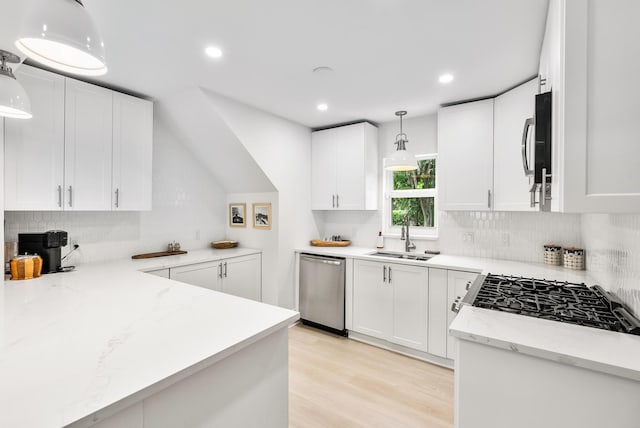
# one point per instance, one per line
(380, 243)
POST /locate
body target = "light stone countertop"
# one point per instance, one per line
(106, 336)
(595, 349)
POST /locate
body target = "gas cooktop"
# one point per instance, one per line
(553, 300)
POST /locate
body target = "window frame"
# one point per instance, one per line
(391, 231)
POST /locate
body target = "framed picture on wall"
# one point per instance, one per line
(262, 215)
(238, 215)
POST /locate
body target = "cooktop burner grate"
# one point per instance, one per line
(556, 301)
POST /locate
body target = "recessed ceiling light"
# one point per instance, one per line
(323, 107)
(213, 52)
(446, 78)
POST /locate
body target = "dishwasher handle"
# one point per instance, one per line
(318, 260)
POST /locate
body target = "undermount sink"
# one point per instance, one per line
(417, 257)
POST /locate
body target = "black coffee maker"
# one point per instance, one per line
(47, 245)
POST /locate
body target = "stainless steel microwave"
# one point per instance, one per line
(542, 172)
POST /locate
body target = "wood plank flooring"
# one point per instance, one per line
(336, 382)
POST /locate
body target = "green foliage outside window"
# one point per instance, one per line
(419, 210)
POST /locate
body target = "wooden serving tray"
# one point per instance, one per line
(319, 243)
(158, 254)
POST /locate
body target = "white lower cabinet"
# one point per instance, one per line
(390, 302)
(439, 309)
(242, 277)
(205, 275)
(239, 276)
(457, 285)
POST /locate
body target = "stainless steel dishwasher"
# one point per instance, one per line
(322, 292)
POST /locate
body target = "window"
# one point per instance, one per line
(412, 195)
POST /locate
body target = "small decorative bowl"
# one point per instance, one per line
(222, 245)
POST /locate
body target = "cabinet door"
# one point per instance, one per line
(372, 299)
(350, 167)
(510, 184)
(457, 283)
(132, 152)
(465, 156)
(410, 285)
(323, 169)
(242, 277)
(439, 309)
(34, 148)
(205, 275)
(88, 147)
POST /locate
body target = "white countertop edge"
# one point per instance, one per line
(203, 255)
(615, 353)
(110, 410)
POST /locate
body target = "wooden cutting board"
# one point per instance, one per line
(158, 254)
(319, 243)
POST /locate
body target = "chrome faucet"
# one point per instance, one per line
(408, 245)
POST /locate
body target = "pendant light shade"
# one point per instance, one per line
(61, 34)
(14, 101)
(401, 159)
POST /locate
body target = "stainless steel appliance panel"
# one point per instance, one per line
(322, 290)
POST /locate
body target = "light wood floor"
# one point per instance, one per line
(336, 382)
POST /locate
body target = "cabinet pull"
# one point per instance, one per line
(60, 196)
(70, 196)
(225, 269)
(489, 198)
(337, 201)
(389, 274)
(384, 274)
(333, 201)
(117, 198)
(220, 271)
(525, 160)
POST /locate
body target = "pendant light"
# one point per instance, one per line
(14, 101)
(61, 34)
(401, 159)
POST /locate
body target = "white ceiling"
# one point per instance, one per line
(387, 54)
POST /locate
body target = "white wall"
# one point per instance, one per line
(189, 206)
(262, 239)
(282, 149)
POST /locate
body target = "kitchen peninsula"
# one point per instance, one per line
(110, 346)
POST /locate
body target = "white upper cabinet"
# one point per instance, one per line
(511, 132)
(465, 156)
(591, 62)
(34, 148)
(344, 168)
(132, 152)
(88, 146)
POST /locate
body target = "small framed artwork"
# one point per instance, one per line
(262, 215)
(238, 215)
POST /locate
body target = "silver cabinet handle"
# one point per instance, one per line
(337, 201)
(525, 160)
(225, 269)
(220, 270)
(389, 274)
(333, 201)
(384, 274)
(60, 196)
(489, 198)
(117, 198)
(70, 196)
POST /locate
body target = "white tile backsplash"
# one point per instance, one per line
(516, 236)
(612, 245)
